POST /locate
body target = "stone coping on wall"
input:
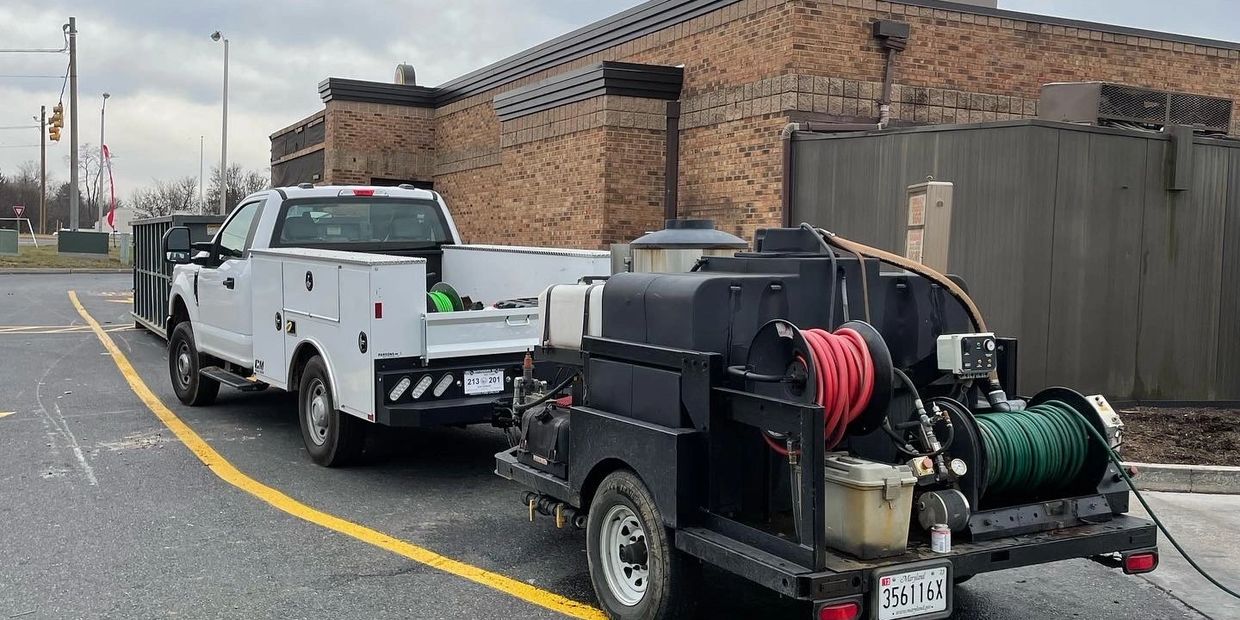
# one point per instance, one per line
(847, 98)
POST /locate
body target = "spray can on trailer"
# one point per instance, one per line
(941, 538)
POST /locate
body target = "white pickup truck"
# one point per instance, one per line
(363, 301)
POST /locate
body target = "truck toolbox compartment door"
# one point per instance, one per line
(312, 289)
(481, 332)
(267, 307)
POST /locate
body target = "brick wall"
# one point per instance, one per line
(373, 140)
(749, 68)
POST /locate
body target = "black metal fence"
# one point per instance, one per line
(1069, 239)
(152, 277)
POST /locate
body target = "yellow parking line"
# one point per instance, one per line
(230, 474)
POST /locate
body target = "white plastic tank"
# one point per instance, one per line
(677, 248)
(569, 312)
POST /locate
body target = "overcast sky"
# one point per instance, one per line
(163, 71)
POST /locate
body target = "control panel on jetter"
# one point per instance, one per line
(967, 355)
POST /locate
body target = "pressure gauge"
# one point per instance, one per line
(958, 467)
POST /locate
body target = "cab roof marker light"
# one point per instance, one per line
(420, 388)
(444, 383)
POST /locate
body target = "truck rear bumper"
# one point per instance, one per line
(846, 576)
(452, 412)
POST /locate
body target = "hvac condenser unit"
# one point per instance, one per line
(1102, 103)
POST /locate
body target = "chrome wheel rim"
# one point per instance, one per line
(316, 412)
(624, 556)
(184, 365)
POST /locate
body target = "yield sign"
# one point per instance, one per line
(19, 210)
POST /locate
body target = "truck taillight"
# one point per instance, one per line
(1138, 563)
(420, 388)
(399, 389)
(378, 309)
(840, 611)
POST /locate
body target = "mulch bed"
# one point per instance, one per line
(1196, 436)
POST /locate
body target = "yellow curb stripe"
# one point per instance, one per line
(225, 470)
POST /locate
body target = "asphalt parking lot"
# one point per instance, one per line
(107, 514)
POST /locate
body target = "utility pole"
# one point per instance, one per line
(73, 126)
(43, 169)
(202, 191)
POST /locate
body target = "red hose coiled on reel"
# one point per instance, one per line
(843, 372)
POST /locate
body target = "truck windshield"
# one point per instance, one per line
(352, 223)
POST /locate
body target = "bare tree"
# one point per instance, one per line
(240, 183)
(179, 195)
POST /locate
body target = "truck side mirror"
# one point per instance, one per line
(177, 246)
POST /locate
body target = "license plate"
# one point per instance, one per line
(488, 381)
(918, 593)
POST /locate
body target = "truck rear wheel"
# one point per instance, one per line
(635, 571)
(332, 438)
(184, 362)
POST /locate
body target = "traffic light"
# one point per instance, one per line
(56, 122)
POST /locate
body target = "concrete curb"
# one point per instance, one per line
(56, 270)
(1186, 478)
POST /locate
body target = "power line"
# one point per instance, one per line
(31, 77)
(44, 50)
(20, 127)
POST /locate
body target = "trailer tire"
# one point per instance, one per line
(666, 585)
(332, 438)
(184, 362)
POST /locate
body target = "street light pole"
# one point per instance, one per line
(99, 186)
(216, 36)
(202, 189)
(73, 126)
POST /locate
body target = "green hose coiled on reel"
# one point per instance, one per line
(439, 301)
(1042, 448)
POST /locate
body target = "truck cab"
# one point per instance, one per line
(364, 301)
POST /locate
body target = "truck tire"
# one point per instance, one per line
(332, 438)
(184, 362)
(637, 574)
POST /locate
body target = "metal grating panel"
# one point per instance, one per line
(1211, 113)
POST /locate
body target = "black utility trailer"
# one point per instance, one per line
(666, 442)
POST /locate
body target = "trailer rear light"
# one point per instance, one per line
(420, 388)
(399, 389)
(840, 611)
(378, 309)
(444, 383)
(1138, 563)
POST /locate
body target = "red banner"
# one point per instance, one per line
(107, 158)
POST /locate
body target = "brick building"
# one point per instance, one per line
(567, 143)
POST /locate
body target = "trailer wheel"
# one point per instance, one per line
(184, 362)
(332, 438)
(635, 571)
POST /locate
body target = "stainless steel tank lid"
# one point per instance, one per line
(688, 234)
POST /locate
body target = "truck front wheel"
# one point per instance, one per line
(635, 571)
(332, 438)
(184, 362)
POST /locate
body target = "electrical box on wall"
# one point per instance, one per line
(928, 236)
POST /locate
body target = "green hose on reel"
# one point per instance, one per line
(1042, 448)
(444, 298)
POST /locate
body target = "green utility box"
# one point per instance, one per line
(8, 241)
(87, 242)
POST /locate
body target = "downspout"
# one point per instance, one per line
(671, 162)
(893, 37)
(785, 183)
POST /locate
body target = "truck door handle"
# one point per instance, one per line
(517, 322)
(228, 283)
